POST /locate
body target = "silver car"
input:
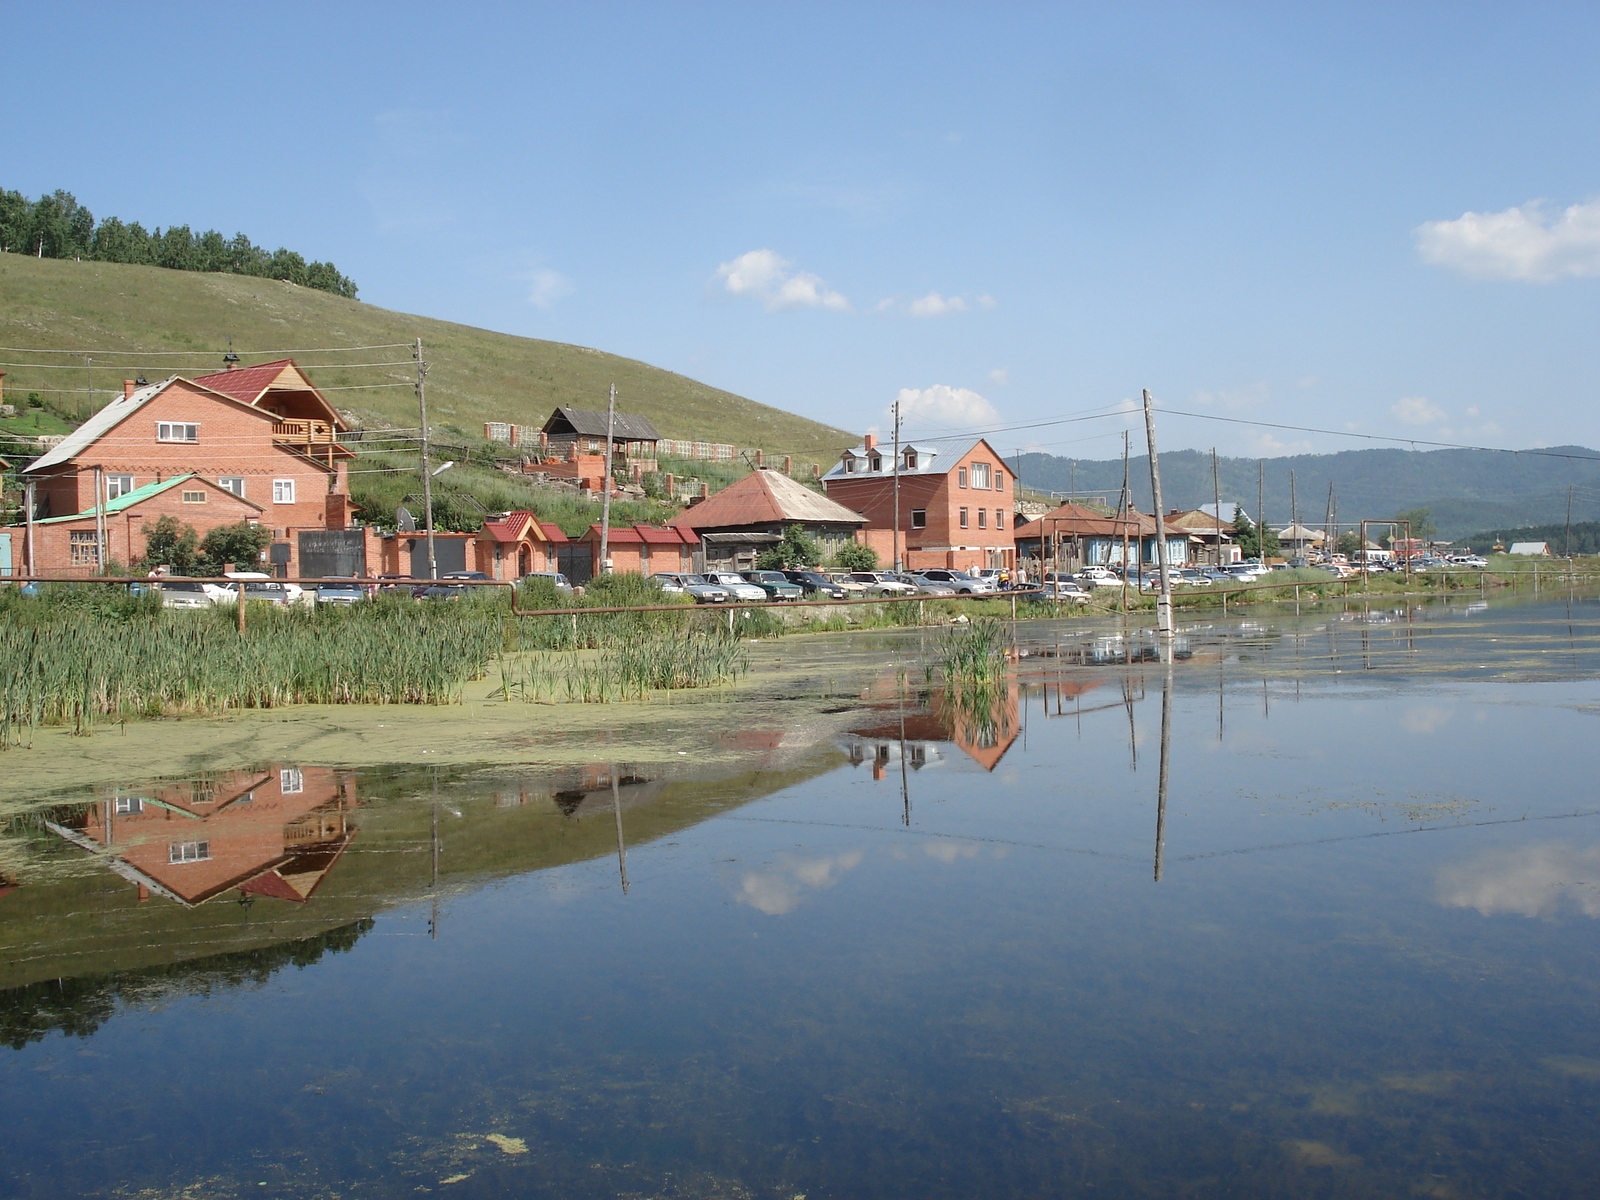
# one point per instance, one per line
(925, 587)
(183, 593)
(959, 582)
(737, 586)
(882, 583)
(699, 590)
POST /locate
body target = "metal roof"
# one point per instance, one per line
(935, 456)
(765, 497)
(593, 424)
(245, 383)
(107, 419)
(139, 495)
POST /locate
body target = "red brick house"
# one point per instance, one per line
(263, 434)
(512, 544)
(957, 497)
(642, 548)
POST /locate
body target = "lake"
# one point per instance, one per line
(1307, 909)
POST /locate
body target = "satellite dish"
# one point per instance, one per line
(404, 521)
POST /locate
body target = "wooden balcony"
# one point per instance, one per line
(304, 433)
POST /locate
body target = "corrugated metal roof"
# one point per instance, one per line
(552, 531)
(622, 535)
(510, 527)
(107, 419)
(935, 456)
(139, 495)
(593, 424)
(763, 498)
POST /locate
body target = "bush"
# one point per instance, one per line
(797, 549)
(856, 557)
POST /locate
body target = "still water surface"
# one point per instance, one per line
(899, 948)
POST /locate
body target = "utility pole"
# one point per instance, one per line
(427, 465)
(1072, 480)
(1122, 512)
(1294, 512)
(1330, 536)
(100, 519)
(1216, 503)
(27, 499)
(897, 566)
(605, 494)
(1164, 599)
(1568, 550)
(1261, 510)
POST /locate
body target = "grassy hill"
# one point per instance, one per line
(475, 375)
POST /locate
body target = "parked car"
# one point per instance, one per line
(698, 589)
(1065, 590)
(774, 584)
(441, 590)
(883, 583)
(341, 592)
(958, 582)
(817, 585)
(1094, 577)
(738, 589)
(925, 587)
(1191, 577)
(257, 586)
(398, 585)
(556, 578)
(852, 589)
(183, 593)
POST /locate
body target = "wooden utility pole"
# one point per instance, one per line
(1294, 513)
(28, 499)
(1568, 551)
(897, 566)
(1164, 598)
(100, 519)
(1261, 510)
(427, 464)
(1216, 503)
(1122, 512)
(605, 495)
(1330, 536)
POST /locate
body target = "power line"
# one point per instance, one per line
(169, 353)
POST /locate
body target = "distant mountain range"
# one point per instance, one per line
(1467, 490)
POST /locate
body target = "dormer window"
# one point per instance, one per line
(911, 460)
(875, 463)
(849, 465)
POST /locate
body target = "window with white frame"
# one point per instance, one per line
(85, 548)
(188, 852)
(118, 485)
(194, 497)
(875, 463)
(961, 477)
(980, 475)
(232, 483)
(283, 491)
(911, 460)
(291, 781)
(849, 466)
(999, 518)
(127, 806)
(983, 518)
(169, 431)
(963, 518)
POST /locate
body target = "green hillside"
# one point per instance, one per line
(475, 375)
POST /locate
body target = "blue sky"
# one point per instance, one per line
(1003, 213)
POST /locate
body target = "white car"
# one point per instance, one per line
(258, 586)
(1064, 590)
(957, 581)
(1097, 577)
(738, 588)
(183, 593)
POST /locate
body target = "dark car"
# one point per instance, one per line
(774, 584)
(340, 591)
(444, 591)
(815, 583)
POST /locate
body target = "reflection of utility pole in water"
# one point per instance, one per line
(1161, 775)
(905, 783)
(433, 920)
(1133, 741)
(616, 811)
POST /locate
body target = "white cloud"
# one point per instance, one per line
(1525, 243)
(765, 276)
(1425, 719)
(941, 406)
(1531, 881)
(1000, 376)
(780, 890)
(935, 305)
(1417, 410)
(545, 287)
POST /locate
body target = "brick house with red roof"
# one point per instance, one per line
(642, 548)
(513, 544)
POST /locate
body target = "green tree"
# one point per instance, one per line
(170, 544)
(1349, 544)
(797, 549)
(1421, 519)
(853, 556)
(1249, 538)
(240, 544)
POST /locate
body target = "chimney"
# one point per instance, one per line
(816, 470)
(760, 461)
(788, 464)
(870, 441)
(127, 388)
(705, 491)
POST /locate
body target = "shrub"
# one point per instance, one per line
(856, 557)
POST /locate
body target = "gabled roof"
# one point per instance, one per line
(139, 495)
(103, 422)
(552, 531)
(1198, 520)
(1299, 533)
(512, 527)
(250, 384)
(935, 456)
(763, 498)
(593, 424)
(1071, 520)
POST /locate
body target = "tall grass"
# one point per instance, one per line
(630, 671)
(80, 655)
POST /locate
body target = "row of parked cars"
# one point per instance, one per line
(722, 587)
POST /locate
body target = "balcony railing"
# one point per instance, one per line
(304, 433)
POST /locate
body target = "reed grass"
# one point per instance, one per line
(702, 657)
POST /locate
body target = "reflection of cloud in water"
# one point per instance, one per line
(948, 852)
(1531, 881)
(1425, 719)
(780, 889)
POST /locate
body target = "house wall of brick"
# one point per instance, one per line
(125, 535)
(234, 440)
(942, 541)
(513, 560)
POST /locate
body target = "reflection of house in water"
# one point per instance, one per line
(272, 832)
(590, 791)
(933, 719)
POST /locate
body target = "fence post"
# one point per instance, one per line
(241, 608)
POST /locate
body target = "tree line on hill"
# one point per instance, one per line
(1585, 537)
(57, 226)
